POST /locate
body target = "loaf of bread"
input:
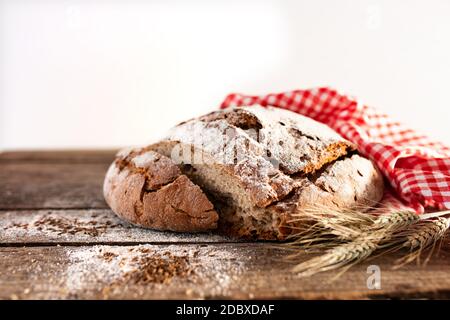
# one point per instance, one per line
(243, 171)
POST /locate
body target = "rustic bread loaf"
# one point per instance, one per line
(258, 166)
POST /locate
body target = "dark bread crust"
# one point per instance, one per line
(153, 193)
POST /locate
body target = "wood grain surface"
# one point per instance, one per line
(82, 226)
(59, 240)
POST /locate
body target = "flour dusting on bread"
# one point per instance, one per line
(252, 168)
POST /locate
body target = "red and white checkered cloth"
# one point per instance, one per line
(417, 168)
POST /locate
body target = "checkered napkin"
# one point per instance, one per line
(417, 169)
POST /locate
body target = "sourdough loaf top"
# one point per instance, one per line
(263, 147)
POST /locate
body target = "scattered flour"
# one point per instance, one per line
(105, 268)
(93, 226)
(145, 159)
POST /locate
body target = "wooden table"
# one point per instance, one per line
(58, 239)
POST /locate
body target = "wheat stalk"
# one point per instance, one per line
(316, 224)
(350, 236)
(342, 255)
(336, 226)
(362, 242)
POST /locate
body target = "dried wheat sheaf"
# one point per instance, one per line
(350, 236)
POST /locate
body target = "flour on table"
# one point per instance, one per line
(100, 267)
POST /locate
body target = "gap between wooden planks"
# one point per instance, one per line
(55, 228)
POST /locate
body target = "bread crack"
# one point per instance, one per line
(296, 133)
(127, 163)
(181, 211)
(313, 176)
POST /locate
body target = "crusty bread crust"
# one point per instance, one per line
(148, 189)
(351, 182)
(258, 166)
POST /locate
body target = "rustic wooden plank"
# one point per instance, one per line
(84, 226)
(62, 156)
(25, 185)
(219, 269)
(255, 271)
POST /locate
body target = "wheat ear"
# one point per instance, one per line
(429, 233)
(341, 255)
(425, 235)
(323, 227)
(396, 220)
(357, 249)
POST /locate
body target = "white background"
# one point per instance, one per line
(113, 73)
